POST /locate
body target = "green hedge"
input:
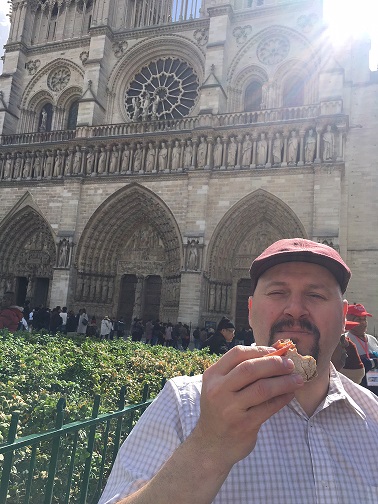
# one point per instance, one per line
(36, 370)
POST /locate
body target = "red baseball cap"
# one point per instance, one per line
(349, 325)
(358, 310)
(301, 250)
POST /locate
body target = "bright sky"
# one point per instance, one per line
(343, 16)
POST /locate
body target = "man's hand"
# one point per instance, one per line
(239, 393)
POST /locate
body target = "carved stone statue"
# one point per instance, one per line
(163, 154)
(17, 172)
(42, 127)
(328, 144)
(136, 105)
(232, 150)
(218, 151)
(155, 105)
(90, 160)
(37, 165)
(8, 167)
(77, 161)
(262, 149)
(145, 107)
(114, 160)
(247, 150)
(310, 147)
(49, 164)
(277, 149)
(201, 153)
(188, 154)
(58, 165)
(292, 148)
(125, 159)
(138, 158)
(102, 161)
(176, 155)
(27, 166)
(63, 253)
(192, 261)
(150, 157)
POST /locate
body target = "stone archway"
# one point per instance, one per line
(27, 256)
(131, 238)
(245, 231)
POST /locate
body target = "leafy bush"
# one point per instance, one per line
(36, 370)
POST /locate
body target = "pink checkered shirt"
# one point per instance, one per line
(329, 458)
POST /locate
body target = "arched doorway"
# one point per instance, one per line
(27, 256)
(245, 231)
(130, 266)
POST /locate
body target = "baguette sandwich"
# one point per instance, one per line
(304, 365)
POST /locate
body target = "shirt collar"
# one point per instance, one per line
(336, 392)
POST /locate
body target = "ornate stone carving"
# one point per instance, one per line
(328, 144)
(201, 36)
(64, 253)
(292, 148)
(307, 22)
(241, 33)
(84, 55)
(164, 89)
(192, 255)
(58, 79)
(32, 66)
(273, 50)
(310, 147)
(120, 48)
(277, 149)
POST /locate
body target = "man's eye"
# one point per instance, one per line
(275, 293)
(316, 295)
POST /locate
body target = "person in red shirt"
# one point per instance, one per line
(10, 314)
(345, 358)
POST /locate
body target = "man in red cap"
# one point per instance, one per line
(366, 344)
(250, 430)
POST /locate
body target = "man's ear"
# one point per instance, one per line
(250, 299)
(345, 309)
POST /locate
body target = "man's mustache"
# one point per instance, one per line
(304, 324)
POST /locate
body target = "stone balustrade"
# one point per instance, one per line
(302, 113)
(248, 147)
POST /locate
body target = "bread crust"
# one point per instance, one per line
(304, 365)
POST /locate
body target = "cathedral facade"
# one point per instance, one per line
(150, 150)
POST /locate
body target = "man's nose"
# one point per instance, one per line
(296, 306)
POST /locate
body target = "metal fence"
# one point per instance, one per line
(70, 463)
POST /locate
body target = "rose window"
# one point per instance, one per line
(58, 79)
(164, 89)
(272, 51)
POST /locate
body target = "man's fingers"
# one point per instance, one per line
(237, 355)
(252, 370)
(266, 390)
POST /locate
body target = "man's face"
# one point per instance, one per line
(340, 354)
(300, 301)
(228, 334)
(359, 330)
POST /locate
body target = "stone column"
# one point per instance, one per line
(284, 159)
(318, 133)
(139, 288)
(209, 159)
(301, 148)
(269, 160)
(254, 149)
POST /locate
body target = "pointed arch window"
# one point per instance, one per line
(293, 92)
(45, 118)
(253, 96)
(72, 115)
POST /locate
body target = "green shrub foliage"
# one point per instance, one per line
(36, 370)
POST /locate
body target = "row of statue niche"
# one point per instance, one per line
(95, 289)
(144, 106)
(163, 156)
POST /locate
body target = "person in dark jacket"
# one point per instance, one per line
(220, 342)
